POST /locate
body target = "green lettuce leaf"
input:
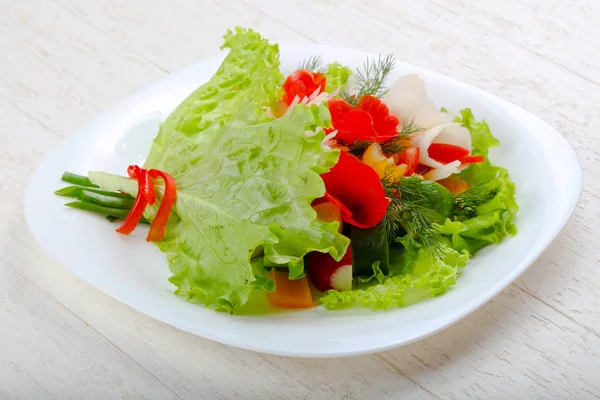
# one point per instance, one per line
(417, 275)
(337, 76)
(481, 135)
(249, 190)
(485, 215)
(249, 73)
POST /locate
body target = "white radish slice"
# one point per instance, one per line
(455, 134)
(341, 279)
(443, 172)
(448, 133)
(407, 99)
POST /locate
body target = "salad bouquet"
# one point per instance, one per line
(325, 186)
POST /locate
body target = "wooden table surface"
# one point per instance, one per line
(64, 61)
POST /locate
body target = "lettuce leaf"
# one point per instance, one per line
(481, 135)
(250, 192)
(417, 275)
(337, 76)
(485, 215)
(249, 73)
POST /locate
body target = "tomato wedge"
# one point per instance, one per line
(410, 158)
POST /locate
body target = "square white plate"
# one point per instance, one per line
(542, 164)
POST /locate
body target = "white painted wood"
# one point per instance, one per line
(66, 60)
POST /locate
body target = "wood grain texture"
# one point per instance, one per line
(61, 338)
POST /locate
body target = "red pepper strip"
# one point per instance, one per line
(144, 184)
(472, 159)
(357, 190)
(139, 205)
(159, 223)
(446, 153)
(410, 158)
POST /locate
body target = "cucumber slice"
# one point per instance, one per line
(368, 246)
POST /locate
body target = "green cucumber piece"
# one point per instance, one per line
(368, 246)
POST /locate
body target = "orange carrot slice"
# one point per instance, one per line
(290, 293)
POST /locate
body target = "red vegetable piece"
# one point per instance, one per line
(140, 203)
(302, 83)
(356, 125)
(409, 157)
(338, 108)
(472, 159)
(320, 81)
(369, 120)
(384, 123)
(326, 273)
(144, 183)
(159, 223)
(356, 189)
(446, 153)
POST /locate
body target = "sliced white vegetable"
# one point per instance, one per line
(448, 133)
(443, 172)
(455, 134)
(341, 279)
(407, 99)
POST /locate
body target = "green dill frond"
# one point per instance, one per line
(371, 79)
(466, 203)
(313, 64)
(408, 128)
(407, 211)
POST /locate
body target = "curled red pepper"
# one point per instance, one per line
(141, 200)
(357, 190)
(159, 223)
(147, 196)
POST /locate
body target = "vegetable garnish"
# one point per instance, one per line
(159, 223)
(286, 183)
(357, 187)
(303, 84)
(141, 200)
(146, 196)
(313, 64)
(371, 80)
(369, 120)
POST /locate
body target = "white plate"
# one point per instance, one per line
(542, 164)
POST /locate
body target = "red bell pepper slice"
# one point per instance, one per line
(357, 190)
(370, 119)
(303, 83)
(446, 153)
(141, 200)
(159, 223)
(409, 157)
(147, 196)
(144, 184)
(472, 159)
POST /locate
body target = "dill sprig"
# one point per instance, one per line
(371, 80)
(313, 64)
(392, 146)
(408, 211)
(467, 201)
